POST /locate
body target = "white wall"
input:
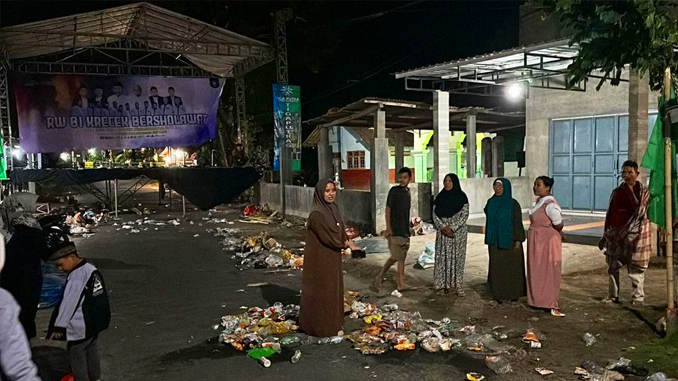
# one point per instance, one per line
(349, 142)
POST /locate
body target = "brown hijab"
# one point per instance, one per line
(329, 210)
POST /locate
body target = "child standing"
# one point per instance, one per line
(82, 314)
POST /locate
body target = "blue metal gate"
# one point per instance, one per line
(585, 157)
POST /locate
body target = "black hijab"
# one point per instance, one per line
(450, 202)
(329, 210)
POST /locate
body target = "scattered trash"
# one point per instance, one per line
(427, 258)
(331, 340)
(498, 364)
(474, 377)
(657, 377)
(502, 333)
(266, 363)
(397, 294)
(531, 338)
(589, 339)
(297, 356)
(261, 284)
(624, 365)
(544, 371)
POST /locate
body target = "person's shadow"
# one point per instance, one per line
(52, 362)
(273, 293)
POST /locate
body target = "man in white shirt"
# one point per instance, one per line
(117, 96)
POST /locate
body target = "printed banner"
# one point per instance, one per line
(62, 112)
(287, 118)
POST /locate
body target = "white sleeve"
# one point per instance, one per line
(554, 213)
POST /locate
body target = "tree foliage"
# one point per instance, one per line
(616, 35)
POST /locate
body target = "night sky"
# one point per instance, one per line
(339, 51)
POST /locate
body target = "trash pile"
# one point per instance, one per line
(267, 332)
(259, 251)
(255, 214)
(390, 328)
(85, 222)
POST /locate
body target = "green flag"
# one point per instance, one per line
(653, 160)
(3, 159)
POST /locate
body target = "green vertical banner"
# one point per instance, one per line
(3, 160)
(653, 160)
(287, 119)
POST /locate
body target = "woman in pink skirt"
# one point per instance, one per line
(544, 249)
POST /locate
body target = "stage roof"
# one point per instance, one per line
(410, 115)
(539, 65)
(139, 27)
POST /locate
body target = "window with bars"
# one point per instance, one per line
(355, 159)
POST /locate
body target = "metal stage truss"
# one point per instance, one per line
(136, 39)
(107, 197)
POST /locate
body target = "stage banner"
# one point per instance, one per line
(65, 112)
(287, 119)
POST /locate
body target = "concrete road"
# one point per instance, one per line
(169, 287)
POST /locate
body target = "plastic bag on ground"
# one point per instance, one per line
(589, 339)
(427, 258)
(274, 261)
(624, 365)
(657, 377)
(505, 333)
(498, 364)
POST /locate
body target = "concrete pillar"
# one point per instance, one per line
(486, 156)
(498, 156)
(324, 155)
(639, 91)
(471, 146)
(399, 149)
(441, 136)
(379, 185)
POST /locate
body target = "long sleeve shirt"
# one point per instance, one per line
(70, 314)
(15, 353)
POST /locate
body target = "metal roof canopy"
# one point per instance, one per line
(135, 39)
(414, 116)
(541, 65)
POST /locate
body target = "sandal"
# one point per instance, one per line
(557, 313)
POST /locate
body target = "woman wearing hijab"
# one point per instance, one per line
(322, 290)
(22, 275)
(504, 235)
(544, 249)
(450, 213)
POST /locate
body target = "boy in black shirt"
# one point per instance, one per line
(397, 230)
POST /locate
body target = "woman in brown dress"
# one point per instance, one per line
(322, 290)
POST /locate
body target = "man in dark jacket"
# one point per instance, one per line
(22, 275)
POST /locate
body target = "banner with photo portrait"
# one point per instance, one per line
(65, 112)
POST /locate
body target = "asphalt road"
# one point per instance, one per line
(168, 288)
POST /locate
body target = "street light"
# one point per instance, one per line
(92, 151)
(65, 156)
(514, 91)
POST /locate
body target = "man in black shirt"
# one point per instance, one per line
(397, 230)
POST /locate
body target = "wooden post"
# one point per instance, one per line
(668, 201)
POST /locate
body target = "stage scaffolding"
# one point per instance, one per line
(138, 39)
